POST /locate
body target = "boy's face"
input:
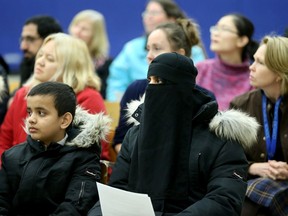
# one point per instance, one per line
(44, 124)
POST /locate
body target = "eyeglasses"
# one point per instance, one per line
(151, 13)
(215, 28)
(28, 39)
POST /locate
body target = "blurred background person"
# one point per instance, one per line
(227, 75)
(131, 64)
(89, 25)
(34, 31)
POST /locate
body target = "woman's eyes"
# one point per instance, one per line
(159, 80)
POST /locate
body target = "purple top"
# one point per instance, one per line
(226, 81)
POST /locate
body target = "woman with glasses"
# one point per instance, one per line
(131, 63)
(227, 75)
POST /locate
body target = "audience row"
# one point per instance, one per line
(213, 130)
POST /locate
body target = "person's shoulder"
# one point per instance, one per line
(22, 91)
(134, 91)
(137, 40)
(138, 84)
(236, 126)
(16, 150)
(246, 98)
(89, 92)
(206, 62)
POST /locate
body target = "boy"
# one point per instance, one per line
(54, 171)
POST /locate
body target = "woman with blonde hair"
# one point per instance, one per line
(267, 192)
(89, 26)
(57, 60)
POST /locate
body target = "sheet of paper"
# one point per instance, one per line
(117, 202)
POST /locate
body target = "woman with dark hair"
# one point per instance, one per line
(227, 75)
(131, 64)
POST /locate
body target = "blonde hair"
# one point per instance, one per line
(75, 68)
(276, 58)
(99, 46)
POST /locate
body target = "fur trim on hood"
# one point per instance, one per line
(232, 124)
(2, 87)
(131, 108)
(93, 128)
(235, 125)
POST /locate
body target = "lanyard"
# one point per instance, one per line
(270, 141)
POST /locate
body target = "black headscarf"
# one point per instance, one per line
(160, 160)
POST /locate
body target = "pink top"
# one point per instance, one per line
(226, 81)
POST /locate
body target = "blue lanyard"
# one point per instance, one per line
(270, 141)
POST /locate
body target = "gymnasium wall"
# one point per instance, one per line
(124, 22)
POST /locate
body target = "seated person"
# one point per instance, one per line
(185, 155)
(54, 171)
(268, 158)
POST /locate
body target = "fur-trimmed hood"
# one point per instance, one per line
(231, 124)
(92, 128)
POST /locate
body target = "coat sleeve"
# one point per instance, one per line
(226, 186)
(5, 192)
(82, 192)
(6, 130)
(120, 172)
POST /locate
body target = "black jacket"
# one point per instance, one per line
(218, 166)
(59, 180)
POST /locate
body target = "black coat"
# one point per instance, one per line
(218, 166)
(59, 180)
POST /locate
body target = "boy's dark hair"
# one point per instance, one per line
(46, 25)
(64, 96)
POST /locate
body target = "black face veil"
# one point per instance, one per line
(159, 165)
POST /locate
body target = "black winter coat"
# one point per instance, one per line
(218, 166)
(59, 180)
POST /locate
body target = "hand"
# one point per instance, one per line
(259, 169)
(278, 170)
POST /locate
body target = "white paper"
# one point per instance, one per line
(117, 202)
